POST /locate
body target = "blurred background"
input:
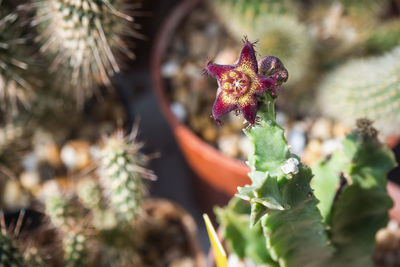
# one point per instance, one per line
(73, 72)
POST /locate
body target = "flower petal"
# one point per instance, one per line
(266, 84)
(249, 110)
(248, 60)
(221, 106)
(217, 71)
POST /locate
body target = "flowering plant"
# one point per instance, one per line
(326, 215)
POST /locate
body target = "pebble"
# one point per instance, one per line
(51, 153)
(234, 261)
(30, 162)
(210, 133)
(199, 44)
(198, 123)
(281, 118)
(312, 153)
(245, 146)
(49, 188)
(236, 122)
(75, 154)
(228, 145)
(212, 29)
(183, 262)
(179, 111)
(29, 180)
(226, 56)
(321, 129)
(193, 71)
(387, 250)
(169, 69)
(297, 140)
(339, 130)
(13, 196)
(331, 145)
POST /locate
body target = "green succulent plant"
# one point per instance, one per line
(10, 255)
(301, 222)
(62, 211)
(123, 175)
(364, 88)
(75, 250)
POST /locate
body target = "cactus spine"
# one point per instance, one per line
(85, 37)
(14, 88)
(367, 88)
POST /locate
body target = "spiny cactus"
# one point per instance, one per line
(14, 88)
(121, 163)
(10, 255)
(91, 196)
(367, 88)
(75, 249)
(281, 198)
(62, 211)
(85, 38)
(69, 220)
(276, 27)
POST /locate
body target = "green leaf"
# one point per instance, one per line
(297, 236)
(327, 179)
(362, 207)
(244, 242)
(264, 191)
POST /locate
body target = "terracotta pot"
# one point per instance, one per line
(218, 176)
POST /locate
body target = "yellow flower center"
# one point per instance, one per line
(235, 83)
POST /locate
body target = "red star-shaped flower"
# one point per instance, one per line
(240, 84)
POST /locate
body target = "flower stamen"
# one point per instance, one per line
(236, 83)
